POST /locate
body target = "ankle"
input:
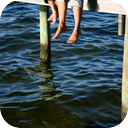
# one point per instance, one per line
(77, 30)
(62, 24)
(54, 12)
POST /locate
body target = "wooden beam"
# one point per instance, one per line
(107, 6)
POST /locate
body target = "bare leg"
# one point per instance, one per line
(76, 32)
(54, 15)
(62, 8)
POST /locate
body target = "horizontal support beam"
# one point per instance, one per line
(106, 6)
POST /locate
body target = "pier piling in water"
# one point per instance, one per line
(45, 49)
(121, 24)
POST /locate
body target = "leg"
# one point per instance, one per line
(62, 8)
(54, 15)
(77, 10)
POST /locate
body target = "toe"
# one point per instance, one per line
(68, 41)
(50, 19)
(55, 36)
(54, 21)
(71, 41)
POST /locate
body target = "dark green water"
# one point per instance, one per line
(83, 87)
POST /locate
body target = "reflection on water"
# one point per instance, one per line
(47, 86)
(43, 68)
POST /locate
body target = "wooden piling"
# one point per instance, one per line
(125, 74)
(45, 43)
(121, 24)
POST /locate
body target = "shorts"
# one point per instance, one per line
(78, 3)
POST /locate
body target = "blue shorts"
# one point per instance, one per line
(78, 3)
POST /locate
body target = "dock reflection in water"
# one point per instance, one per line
(47, 86)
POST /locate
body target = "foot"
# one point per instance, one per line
(73, 38)
(50, 18)
(60, 29)
(53, 17)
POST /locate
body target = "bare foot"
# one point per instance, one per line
(73, 38)
(61, 28)
(50, 18)
(53, 17)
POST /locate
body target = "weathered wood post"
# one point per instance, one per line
(121, 24)
(125, 73)
(45, 43)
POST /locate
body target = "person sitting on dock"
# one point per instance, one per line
(59, 10)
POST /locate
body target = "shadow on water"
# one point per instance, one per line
(92, 5)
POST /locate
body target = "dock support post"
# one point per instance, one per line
(125, 73)
(45, 43)
(121, 24)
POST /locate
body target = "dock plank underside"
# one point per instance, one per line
(107, 6)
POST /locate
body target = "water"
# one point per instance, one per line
(80, 88)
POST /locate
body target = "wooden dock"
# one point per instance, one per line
(106, 6)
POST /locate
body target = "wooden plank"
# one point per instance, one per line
(107, 6)
(125, 74)
(44, 34)
(6, 3)
(121, 25)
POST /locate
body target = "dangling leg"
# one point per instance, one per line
(54, 15)
(62, 8)
(77, 11)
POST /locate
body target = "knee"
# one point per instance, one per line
(78, 3)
